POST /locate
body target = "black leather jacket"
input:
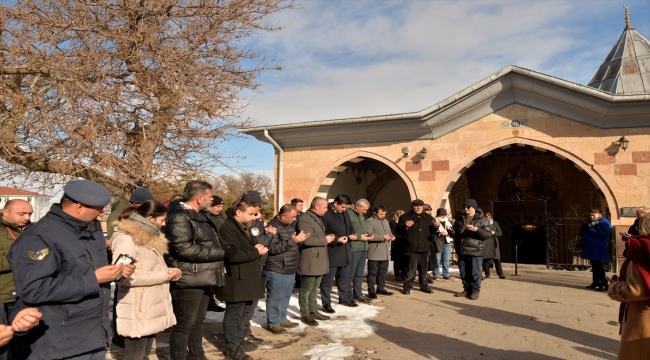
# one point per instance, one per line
(194, 247)
(471, 243)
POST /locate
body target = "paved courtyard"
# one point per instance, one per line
(540, 315)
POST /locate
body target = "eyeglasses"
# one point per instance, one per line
(257, 214)
(467, 207)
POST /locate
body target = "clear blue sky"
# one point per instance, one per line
(359, 58)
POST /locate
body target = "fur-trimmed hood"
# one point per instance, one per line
(142, 238)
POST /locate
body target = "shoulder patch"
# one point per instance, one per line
(38, 255)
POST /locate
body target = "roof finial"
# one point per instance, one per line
(627, 18)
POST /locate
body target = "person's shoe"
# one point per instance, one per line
(308, 320)
(486, 277)
(426, 290)
(277, 329)
(501, 276)
(399, 278)
(253, 339)
(349, 303)
(361, 299)
(602, 288)
(248, 346)
(430, 280)
(318, 316)
(406, 291)
(436, 277)
(237, 354)
(592, 286)
(482, 277)
(474, 296)
(328, 309)
(446, 277)
(289, 324)
(384, 292)
(372, 296)
(212, 306)
(461, 294)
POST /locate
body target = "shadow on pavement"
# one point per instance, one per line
(444, 347)
(525, 321)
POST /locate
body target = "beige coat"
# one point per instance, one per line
(635, 327)
(143, 303)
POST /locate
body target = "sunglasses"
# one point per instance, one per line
(467, 207)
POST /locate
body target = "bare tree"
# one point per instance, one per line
(231, 187)
(127, 92)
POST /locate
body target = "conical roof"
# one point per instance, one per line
(626, 70)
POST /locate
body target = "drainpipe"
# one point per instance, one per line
(278, 196)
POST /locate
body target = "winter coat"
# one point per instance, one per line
(378, 249)
(596, 235)
(243, 272)
(339, 254)
(440, 239)
(194, 247)
(635, 326)
(471, 243)
(283, 250)
(54, 270)
(217, 220)
(313, 259)
(144, 305)
(419, 236)
(397, 245)
(492, 250)
(8, 233)
(359, 225)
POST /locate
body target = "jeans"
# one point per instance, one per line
(356, 273)
(138, 348)
(598, 272)
(470, 272)
(443, 258)
(308, 290)
(417, 262)
(376, 275)
(190, 307)
(278, 293)
(342, 275)
(233, 322)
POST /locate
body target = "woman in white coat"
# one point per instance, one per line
(144, 305)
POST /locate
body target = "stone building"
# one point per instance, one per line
(536, 150)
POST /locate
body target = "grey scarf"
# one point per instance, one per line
(148, 226)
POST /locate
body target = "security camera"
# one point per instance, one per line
(406, 150)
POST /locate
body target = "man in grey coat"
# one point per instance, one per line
(313, 261)
(378, 251)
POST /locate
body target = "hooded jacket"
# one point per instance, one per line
(143, 303)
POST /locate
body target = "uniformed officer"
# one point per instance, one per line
(60, 266)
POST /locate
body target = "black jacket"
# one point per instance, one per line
(471, 243)
(194, 247)
(217, 220)
(339, 254)
(283, 251)
(419, 236)
(243, 272)
(396, 246)
(492, 250)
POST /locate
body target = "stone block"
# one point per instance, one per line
(413, 166)
(604, 158)
(427, 176)
(641, 156)
(625, 169)
(440, 165)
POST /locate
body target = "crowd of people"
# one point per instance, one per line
(170, 261)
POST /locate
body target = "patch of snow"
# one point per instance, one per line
(331, 351)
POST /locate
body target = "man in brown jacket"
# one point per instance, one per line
(16, 217)
(313, 261)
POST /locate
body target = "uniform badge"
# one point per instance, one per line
(255, 231)
(38, 255)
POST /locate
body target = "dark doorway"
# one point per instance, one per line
(532, 249)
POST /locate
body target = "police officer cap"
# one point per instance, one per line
(140, 195)
(253, 197)
(87, 192)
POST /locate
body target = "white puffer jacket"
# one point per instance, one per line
(143, 303)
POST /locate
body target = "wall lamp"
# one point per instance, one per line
(624, 143)
(423, 153)
(406, 150)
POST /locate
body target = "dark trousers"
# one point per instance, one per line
(356, 273)
(233, 322)
(342, 276)
(598, 272)
(376, 275)
(138, 348)
(400, 264)
(417, 262)
(249, 318)
(470, 272)
(497, 266)
(190, 307)
(308, 291)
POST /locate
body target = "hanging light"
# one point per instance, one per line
(529, 227)
(423, 153)
(624, 143)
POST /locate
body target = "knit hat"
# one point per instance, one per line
(140, 195)
(441, 211)
(217, 200)
(471, 202)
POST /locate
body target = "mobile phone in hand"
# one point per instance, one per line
(123, 259)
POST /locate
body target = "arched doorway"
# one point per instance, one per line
(499, 180)
(369, 178)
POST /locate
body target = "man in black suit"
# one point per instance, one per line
(337, 222)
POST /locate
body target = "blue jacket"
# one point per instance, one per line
(596, 238)
(54, 264)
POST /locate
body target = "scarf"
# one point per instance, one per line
(147, 226)
(638, 252)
